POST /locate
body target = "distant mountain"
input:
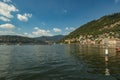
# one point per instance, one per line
(50, 39)
(105, 27)
(14, 39)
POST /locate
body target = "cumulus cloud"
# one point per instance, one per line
(66, 28)
(4, 19)
(7, 33)
(36, 28)
(24, 17)
(25, 33)
(28, 34)
(7, 26)
(69, 28)
(6, 9)
(57, 30)
(10, 32)
(41, 32)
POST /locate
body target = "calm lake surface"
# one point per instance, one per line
(58, 62)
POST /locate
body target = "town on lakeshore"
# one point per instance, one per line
(105, 30)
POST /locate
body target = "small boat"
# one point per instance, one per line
(118, 49)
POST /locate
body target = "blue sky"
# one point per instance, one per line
(36, 18)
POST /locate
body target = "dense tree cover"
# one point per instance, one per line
(107, 24)
(50, 39)
(10, 39)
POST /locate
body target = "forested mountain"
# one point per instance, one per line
(14, 39)
(105, 27)
(51, 39)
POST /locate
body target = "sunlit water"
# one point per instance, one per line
(58, 62)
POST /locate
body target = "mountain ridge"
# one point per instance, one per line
(105, 27)
(15, 39)
(50, 39)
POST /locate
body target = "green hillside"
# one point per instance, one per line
(105, 27)
(50, 39)
(14, 39)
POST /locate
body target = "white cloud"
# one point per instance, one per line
(57, 30)
(6, 9)
(24, 17)
(66, 33)
(69, 28)
(7, 26)
(4, 19)
(41, 32)
(48, 31)
(66, 28)
(72, 28)
(7, 1)
(7, 32)
(36, 28)
(25, 33)
(19, 29)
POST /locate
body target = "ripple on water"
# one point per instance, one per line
(58, 62)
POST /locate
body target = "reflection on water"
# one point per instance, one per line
(107, 70)
(58, 62)
(98, 61)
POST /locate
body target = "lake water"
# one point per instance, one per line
(58, 62)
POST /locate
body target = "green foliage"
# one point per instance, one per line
(98, 27)
(10, 39)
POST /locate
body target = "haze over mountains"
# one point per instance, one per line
(14, 39)
(51, 39)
